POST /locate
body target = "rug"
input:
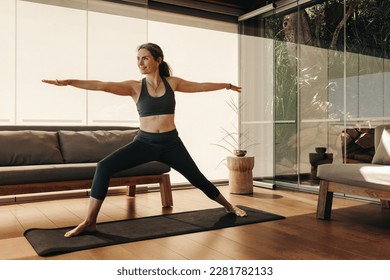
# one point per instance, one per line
(52, 241)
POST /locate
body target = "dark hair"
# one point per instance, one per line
(157, 53)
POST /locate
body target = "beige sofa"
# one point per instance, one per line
(359, 179)
(53, 158)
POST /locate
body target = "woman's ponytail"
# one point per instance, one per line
(164, 69)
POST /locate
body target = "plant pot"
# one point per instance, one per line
(240, 153)
(321, 150)
(240, 174)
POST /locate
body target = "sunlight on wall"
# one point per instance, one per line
(201, 55)
(52, 42)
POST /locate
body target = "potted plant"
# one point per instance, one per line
(240, 166)
(235, 142)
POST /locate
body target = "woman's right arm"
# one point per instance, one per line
(118, 88)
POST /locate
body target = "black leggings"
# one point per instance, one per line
(165, 147)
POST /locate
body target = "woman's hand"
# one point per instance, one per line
(181, 85)
(235, 88)
(57, 82)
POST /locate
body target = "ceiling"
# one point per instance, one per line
(229, 9)
(243, 5)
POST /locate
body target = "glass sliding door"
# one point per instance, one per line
(330, 74)
(319, 58)
(256, 102)
(285, 34)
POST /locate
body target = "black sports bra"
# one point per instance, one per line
(148, 105)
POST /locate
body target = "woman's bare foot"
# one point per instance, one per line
(235, 210)
(229, 207)
(83, 227)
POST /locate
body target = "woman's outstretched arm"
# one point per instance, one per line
(188, 86)
(119, 88)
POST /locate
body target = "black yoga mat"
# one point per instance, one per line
(52, 241)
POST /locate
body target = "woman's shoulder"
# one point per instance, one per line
(134, 83)
(173, 81)
(134, 86)
(172, 78)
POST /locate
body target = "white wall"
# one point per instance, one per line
(7, 58)
(200, 54)
(51, 42)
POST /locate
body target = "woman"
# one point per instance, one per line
(157, 138)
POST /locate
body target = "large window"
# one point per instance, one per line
(330, 77)
(96, 39)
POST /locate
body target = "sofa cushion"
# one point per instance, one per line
(366, 140)
(365, 175)
(27, 147)
(69, 172)
(382, 152)
(92, 146)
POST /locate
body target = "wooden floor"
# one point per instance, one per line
(358, 230)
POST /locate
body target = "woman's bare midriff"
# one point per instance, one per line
(158, 123)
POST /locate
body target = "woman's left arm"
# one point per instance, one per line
(188, 86)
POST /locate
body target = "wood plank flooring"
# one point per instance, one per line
(358, 229)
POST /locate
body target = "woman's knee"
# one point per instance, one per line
(104, 167)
